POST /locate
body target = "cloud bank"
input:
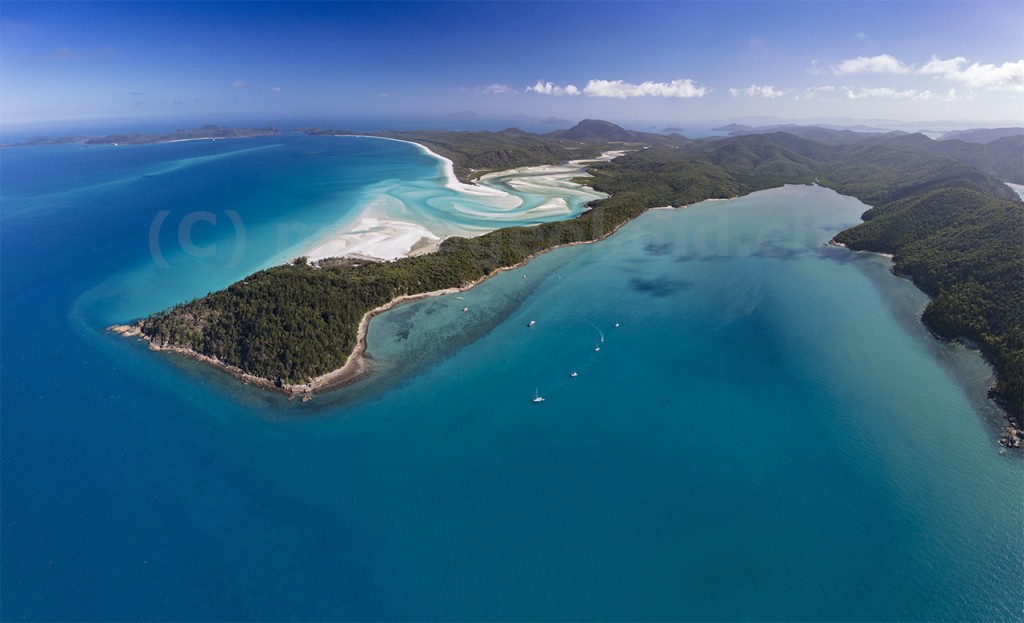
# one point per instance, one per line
(621, 89)
(756, 90)
(881, 64)
(547, 88)
(496, 89)
(1006, 77)
(813, 92)
(908, 94)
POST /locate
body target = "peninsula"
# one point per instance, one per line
(941, 208)
(206, 132)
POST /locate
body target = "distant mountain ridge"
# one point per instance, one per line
(981, 135)
(1001, 157)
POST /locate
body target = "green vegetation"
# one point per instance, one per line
(666, 177)
(291, 323)
(475, 153)
(955, 230)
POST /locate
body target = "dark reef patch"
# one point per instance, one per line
(660, 287)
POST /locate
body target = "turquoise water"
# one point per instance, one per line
(768, 434)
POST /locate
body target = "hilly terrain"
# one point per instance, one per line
(953, 228)
(981, 135)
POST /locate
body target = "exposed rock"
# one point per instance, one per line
(127, 330)
(1011, 437)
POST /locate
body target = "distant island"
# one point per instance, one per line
(939, 207)
(208, 132)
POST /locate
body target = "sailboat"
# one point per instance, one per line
(537, 397)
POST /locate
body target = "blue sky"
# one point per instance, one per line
(656, 62)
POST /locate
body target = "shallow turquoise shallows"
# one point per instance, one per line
(758, 428)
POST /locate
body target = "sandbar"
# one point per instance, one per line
(395, 222)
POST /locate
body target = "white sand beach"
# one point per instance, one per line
(405, 219)
(377, 238)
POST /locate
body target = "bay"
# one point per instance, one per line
(768, 433)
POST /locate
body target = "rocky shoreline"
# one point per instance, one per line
(1011, 437)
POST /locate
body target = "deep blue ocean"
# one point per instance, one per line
(766, 431)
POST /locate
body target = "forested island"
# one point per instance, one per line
(138, 138)
(939, 207)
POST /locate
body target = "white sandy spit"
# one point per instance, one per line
(378, 239)
(384, 230)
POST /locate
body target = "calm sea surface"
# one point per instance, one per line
(766, 431)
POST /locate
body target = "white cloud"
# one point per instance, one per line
(497, 89)
(883, 92)
(908, 94)
(275, 89)
(947, 68)
(813, 92)
(239, 84)
(622, 90)
(547, 88)
(881, 64)
(1006, 77)
(756, 90)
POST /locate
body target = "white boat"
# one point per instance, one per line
(616, 325)
(597, 348)
(574, 374)
(537, 397)
(465, 309)
(532, 322)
